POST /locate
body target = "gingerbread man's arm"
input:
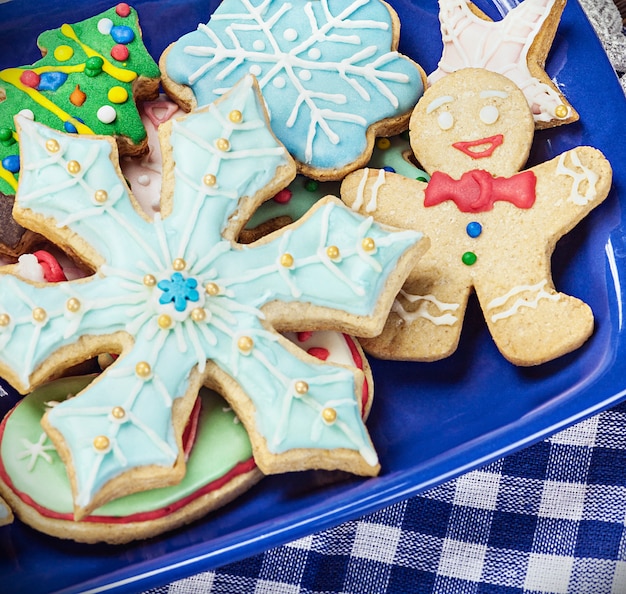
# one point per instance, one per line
(383, 195)
(569, 187)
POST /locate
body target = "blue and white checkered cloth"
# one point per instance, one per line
(548, 519)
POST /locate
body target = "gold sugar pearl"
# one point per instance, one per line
(143, 369)
(179, 264)
(383, 143)
(5, 319)
(561, 111)
(164, 321)
(52, 146)
(101, 443)
(72, 304)
(117, 412)
(368, 244)
(198, 314)
(332, 251)
(149, 280)
(73, 167)
(245, 344)
(209, 180)
(222, 144)
(235, 116)
(286, 260)
(329, 415)
(101, 196)
(301, 387)
(39, 314)
(212, 289)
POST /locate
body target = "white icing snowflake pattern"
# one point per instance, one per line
(187, 305)
(326, 70)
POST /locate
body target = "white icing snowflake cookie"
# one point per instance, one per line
(492, 228)
(329, 70)
(184, 305)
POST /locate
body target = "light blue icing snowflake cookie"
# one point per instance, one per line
(329, 71)
(184, 305)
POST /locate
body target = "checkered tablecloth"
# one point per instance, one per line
(549, 519)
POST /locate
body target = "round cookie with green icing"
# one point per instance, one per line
(87, 82)
(392, 154)
(34, 480)
(219, 460)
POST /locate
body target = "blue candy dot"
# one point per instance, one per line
(474, 229)
(389, 169)
(70, 127)
(51, 81)
(11, 163)
(122, 34)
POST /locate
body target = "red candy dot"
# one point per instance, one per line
(119, 52)
(122, 9)
(304, 336)
(283, 196)
(30, 79)
(319, 352)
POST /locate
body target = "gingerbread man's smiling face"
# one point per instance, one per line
(465, 122)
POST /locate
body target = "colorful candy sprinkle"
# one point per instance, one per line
(106, 114)
(120, 52)
(93, 66)
(77, 97)
(284, 196)
(51, 81)
(63, 53)
(474, 229)
(29, 78)
(117, 95)
(122, 9)
(105, 25)
(11, 163)
(122, 34)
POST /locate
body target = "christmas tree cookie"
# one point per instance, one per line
(87, 82)
(184, 305)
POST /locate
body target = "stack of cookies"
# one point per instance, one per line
(301, 195)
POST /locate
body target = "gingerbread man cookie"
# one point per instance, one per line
(516, 45)
(492, 229)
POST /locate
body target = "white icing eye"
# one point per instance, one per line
(489, 114)
(445, 120)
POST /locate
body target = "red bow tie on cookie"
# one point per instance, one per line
(477, 190)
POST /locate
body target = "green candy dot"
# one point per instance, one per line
(469, 258)
(311, 185)
(93, 66)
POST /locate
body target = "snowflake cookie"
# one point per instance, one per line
(516, 45)
(492, 229)
(329, 71)
(184, 305)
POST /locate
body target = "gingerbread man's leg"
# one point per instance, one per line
(426, 318)
(529, 320)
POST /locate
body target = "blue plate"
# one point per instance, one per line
(430, 422)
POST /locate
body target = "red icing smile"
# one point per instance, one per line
(490, 144)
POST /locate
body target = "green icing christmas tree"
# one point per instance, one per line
(87, 82)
